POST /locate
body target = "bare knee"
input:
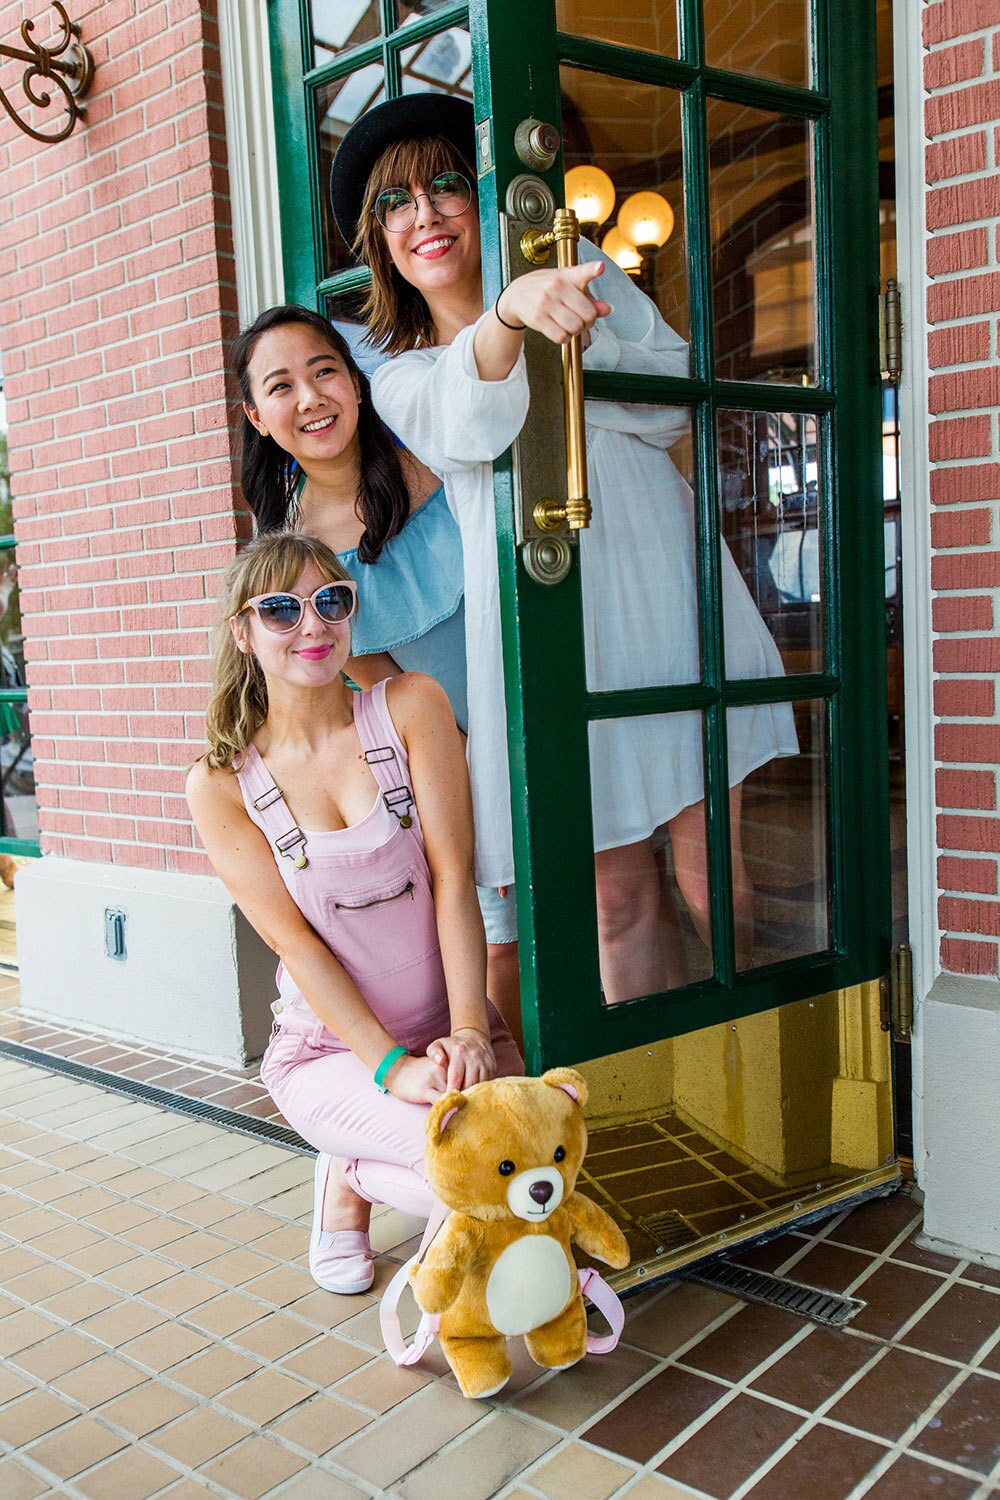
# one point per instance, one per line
(694, 889)
(625, 904)
(502, 961)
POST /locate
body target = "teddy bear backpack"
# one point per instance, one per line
(503, 1157)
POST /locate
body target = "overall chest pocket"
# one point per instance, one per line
(383, 927)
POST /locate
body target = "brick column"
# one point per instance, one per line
(117, 294)
(962, 111)
(958, 1025)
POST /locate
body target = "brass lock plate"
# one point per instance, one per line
(540, 449)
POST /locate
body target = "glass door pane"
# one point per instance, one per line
(770, 40)
(772, 502)
(338, 25)
(781, 874)
(623, 139)
(763, 261)
(336, 106)
(652, 870)
(651, 27)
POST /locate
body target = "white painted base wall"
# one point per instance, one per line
(961, 1115)
(196, 977)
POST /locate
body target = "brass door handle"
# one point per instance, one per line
(548, 514)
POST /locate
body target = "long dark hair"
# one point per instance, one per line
(269, 476)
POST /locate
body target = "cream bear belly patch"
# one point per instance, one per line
(529, 1284)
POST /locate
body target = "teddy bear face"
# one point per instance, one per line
(508, 1148)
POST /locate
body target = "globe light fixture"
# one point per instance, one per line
(618, 249)
(590, 193)
(646, 220)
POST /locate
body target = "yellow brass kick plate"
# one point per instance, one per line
(720, 1137)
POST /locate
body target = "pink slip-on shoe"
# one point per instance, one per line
(339, 1262)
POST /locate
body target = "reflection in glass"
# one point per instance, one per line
(345, 312)
(773, 43)
(639, 556)
(652, 877)
(771, 517)
(650, 27)
(441, 64)
(17, 774)
(338, 25)
(783, 877)
(763, 262)
(11, 637)
(19, 813)
(416, 10)
(338, 105)
(632, 133)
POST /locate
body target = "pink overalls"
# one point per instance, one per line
(366, 891)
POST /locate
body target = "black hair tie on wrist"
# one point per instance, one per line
(514, 327)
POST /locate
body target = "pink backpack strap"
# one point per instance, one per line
(607, 1302)
(265, 802)
(388, 1313)
(385, 755)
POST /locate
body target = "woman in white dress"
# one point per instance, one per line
(456, 393)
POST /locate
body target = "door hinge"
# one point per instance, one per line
(897, 994)
(891, 331)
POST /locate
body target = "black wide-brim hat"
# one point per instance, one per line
(395, 120)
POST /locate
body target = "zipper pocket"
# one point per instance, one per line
(376, 900)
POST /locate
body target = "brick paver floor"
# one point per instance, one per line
(160, 1336)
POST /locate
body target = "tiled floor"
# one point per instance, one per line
(159, 1336)
(229, 1088)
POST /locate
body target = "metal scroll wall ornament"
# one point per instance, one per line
(59, 72)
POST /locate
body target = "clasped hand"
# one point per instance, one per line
(452, 1062)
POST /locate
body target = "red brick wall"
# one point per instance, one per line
(117, 289)
(962, 124)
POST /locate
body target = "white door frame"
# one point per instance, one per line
(911, 230)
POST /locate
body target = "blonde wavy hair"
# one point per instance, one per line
(398, 318)
(238, 704)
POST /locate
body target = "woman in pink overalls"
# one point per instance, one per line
(341, 824)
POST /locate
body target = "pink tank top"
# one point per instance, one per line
(365, 889)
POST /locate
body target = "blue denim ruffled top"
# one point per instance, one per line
(410, 602)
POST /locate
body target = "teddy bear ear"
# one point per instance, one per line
(446, 1107)
(570, 1081)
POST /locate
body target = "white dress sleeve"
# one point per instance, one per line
(436, 403)
(633, 340)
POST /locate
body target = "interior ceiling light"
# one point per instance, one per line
(615, 245)
(590, 193)
(646, 219)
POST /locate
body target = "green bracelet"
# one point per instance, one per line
(390, 1057)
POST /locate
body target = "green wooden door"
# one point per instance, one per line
(756, 123)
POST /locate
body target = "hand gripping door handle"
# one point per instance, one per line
(548, 514)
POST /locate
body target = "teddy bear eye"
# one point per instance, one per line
(559, 1154)
(506, 1167)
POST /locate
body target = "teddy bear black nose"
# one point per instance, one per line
(540, 1191)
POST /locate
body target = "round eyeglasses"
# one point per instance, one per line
(332, 603)
(396, 209)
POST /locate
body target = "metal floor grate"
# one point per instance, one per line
(830, 1308)
(670, 1229)
(148, 1093)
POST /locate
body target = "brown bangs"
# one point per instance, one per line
(398, 318)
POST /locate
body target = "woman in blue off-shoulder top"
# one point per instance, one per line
(317, 457)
